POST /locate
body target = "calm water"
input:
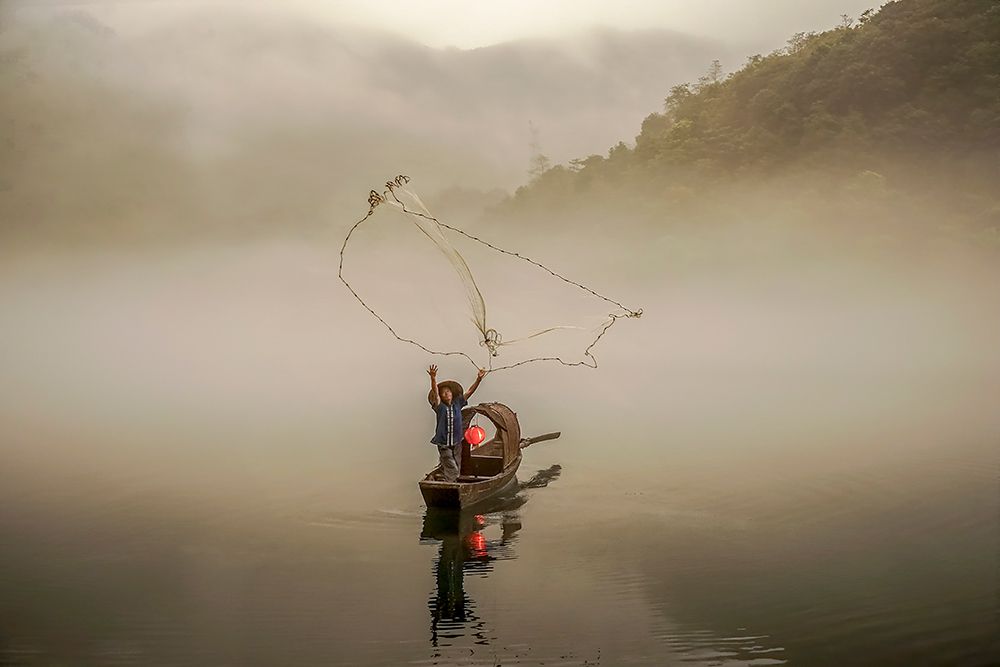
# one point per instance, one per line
(217, 466)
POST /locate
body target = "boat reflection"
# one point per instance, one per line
(466, 549)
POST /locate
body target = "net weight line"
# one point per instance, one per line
(492, 339)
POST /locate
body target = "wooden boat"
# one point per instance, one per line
(486, 471)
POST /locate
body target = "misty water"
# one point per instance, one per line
(210, 457)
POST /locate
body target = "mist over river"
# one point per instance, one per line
(210, 456)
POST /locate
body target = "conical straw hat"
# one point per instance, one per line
(456, 389)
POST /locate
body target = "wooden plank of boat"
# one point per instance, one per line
(468, 490)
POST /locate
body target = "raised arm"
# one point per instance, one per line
(475, 385)
(435, 398)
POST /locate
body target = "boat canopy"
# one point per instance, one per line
(508, 430)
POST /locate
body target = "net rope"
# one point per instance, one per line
(490, 338)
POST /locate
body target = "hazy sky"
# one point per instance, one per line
(468, 23)
(464, 23)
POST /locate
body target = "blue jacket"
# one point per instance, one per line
(449, 415)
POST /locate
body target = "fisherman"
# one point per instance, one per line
(447, 400)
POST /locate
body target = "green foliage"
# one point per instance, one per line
(919, 77)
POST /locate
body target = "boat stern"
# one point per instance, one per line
(441, 494)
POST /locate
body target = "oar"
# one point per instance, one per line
(526, 442)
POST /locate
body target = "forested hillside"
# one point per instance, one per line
(903, 102)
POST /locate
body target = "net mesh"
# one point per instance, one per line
(492, 342)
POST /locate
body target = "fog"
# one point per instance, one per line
(255, 354)
(227, 120)
(172, 218)
(754, 25)
(195, 414)
(222, 122)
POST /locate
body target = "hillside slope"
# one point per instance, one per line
(905, 100)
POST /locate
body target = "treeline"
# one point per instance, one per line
(906, 100)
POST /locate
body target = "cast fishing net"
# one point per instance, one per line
(430, 293)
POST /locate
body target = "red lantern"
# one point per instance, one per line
(475, 435)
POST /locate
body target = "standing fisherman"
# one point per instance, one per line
(447, 401)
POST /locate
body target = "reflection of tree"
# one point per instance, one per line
(464, 548)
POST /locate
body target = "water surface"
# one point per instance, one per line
(213, 460)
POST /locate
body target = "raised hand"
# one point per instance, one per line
(475, 385)
(432, 371)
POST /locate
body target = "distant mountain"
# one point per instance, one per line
(227, 121)
(578, 91)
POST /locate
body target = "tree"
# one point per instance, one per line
(797, 41)
(676, 98)
(591, 161)
(712, 76)
(538, 163)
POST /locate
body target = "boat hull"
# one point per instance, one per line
(467, 492)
